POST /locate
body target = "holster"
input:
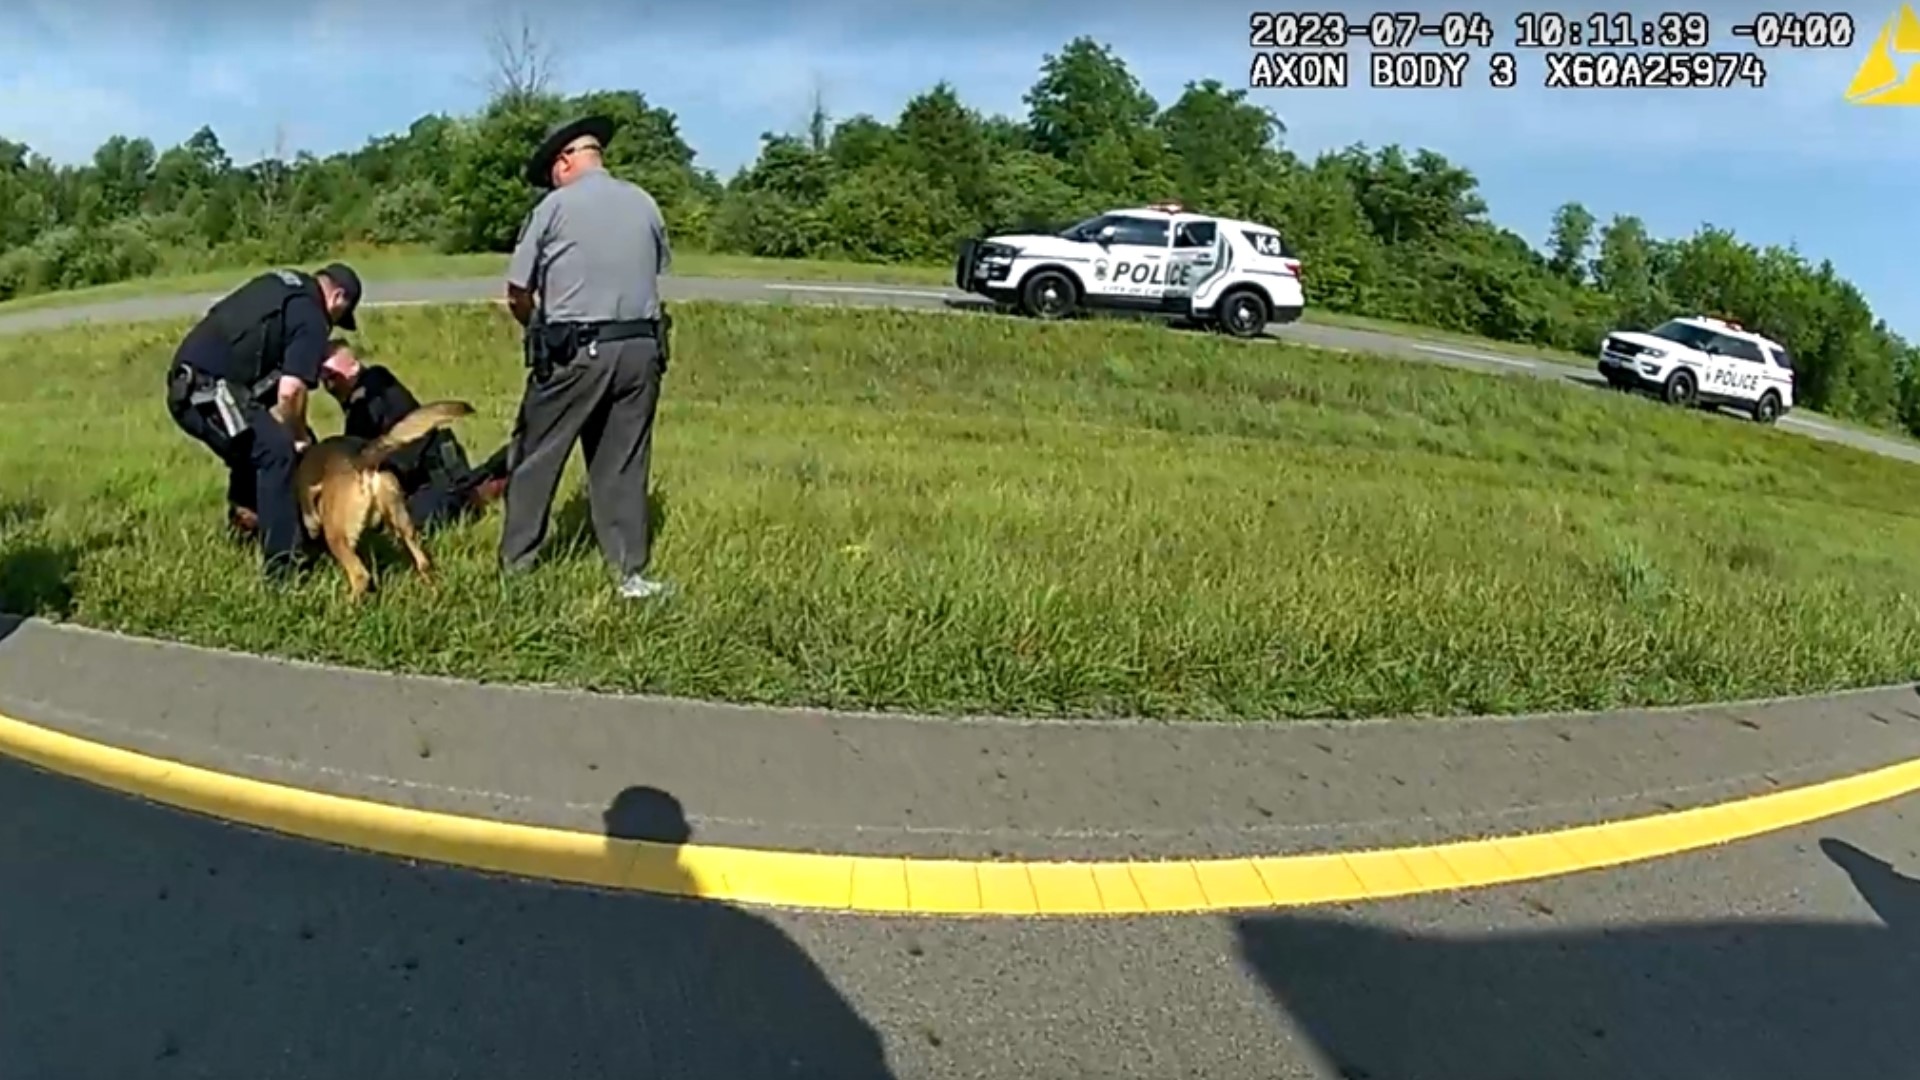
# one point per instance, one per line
(446, 461)
(180, 386)
(548, 345)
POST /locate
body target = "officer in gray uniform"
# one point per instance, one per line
(584, 281)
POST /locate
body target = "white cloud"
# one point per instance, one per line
(222, 78)
(67, 120)
(92, 29)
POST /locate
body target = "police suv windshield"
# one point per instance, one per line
(1087, 229)
(1693, 337)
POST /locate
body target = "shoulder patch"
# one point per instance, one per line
(288, 278)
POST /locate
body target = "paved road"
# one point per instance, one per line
(138, 941)
(685, 288)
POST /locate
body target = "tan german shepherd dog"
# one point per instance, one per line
(343, 491)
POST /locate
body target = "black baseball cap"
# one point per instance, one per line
(342, 275)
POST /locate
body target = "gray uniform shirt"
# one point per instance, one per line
(600, 244)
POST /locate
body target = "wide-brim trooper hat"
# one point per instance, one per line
(540, 165)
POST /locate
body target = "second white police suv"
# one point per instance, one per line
(1235, 275)
(1699, 360)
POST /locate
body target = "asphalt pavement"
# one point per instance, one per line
(139, 941)
(742, 290)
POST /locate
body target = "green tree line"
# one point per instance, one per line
(1384, 232)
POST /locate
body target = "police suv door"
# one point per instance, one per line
(1132, 265)
(1738, 372)
(1195, 257)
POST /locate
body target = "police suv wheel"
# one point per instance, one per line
(1049, 294)
(1243, 314)
(1680, 388)
(1767, 410)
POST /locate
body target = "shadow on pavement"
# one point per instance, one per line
(138, 941)
(1752, 1000)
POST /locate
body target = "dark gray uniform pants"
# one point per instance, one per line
(607, 402)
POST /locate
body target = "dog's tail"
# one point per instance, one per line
(417, 424)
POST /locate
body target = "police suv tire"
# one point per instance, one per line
(1680, 388)
(1049, 294)
(1243, 314)
(1767, 409)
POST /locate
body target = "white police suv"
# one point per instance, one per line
(1236, 275)
(1697, 360)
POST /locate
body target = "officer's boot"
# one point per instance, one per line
(242, 523)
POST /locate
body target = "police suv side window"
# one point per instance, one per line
(1739, 349)
(1266, 243)
(1140, 231)
(1194, 234)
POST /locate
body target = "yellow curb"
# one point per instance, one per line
(915, 886)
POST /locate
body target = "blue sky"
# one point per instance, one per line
(1792, 163)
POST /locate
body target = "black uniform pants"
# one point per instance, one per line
(439, 500)
(607, 403)
(434, 505)
(260, 462)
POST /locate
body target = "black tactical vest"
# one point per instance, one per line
(253, 321)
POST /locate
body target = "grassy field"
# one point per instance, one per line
(948, 512)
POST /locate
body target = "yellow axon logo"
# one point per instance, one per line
(1880, 81)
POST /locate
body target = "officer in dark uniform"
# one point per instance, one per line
(440, 485)
(238, 383)
(584, 280)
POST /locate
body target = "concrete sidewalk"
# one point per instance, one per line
(978, 789)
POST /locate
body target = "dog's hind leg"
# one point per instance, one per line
(310, 515)
(343, 520)
(392, 505)
(342, 542)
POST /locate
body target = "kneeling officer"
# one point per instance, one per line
(238, 383)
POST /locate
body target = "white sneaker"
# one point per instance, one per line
(636, 587)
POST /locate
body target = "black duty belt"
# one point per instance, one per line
(190, 388)
(554, 345)
(586, 333)
(196, 387)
